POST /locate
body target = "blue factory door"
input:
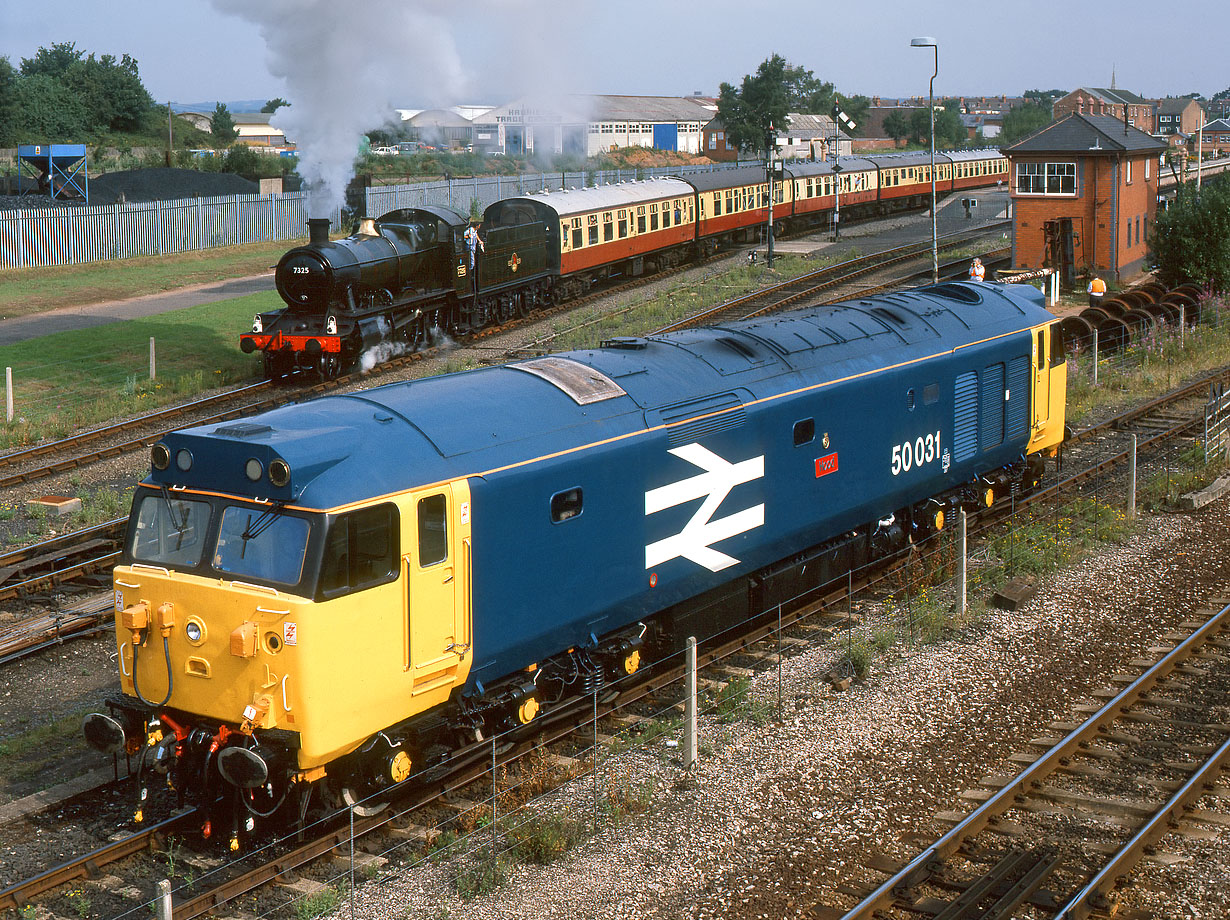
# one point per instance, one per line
(666, 137)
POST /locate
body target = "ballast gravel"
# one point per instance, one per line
(778, 817)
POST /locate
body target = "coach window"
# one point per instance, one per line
(593, 230)
(640, 219)
(565, 505)
(678, 212)
(608, 227)
(730, 201)
(653, 217)
(717, 204)
(577, 237)
(804, 432)
(623, 224)
(666, 214)
(433, 530)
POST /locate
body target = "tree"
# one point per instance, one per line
(1024, 120)
(761, 102)
(52, 62)
(950, 130)
(896, 125)
(1191, 239)
(8, 104)
(111, 91)
(273, 105)
(1044, 98)
(856, 109)
(49, 112)
(222, 126)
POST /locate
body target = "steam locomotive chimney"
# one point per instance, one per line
(318, 229)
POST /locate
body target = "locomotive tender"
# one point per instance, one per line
(399, 281)
(332, 594)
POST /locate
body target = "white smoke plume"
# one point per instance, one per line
(345, 65)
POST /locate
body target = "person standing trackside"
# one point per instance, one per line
(473, 242)
(976, 271)
(1097, 290)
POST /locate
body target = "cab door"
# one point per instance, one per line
(1042, 378)
(437, 579)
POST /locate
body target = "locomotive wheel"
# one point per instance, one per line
(330, 366)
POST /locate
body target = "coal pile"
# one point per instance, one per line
(161, 184)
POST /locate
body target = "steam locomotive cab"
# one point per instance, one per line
(382, 285)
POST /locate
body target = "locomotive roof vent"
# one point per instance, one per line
(961, 292)
(242, 430)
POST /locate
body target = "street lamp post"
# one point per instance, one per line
(929, 42)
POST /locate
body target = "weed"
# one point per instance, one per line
(483, 876)
(541, 839)
(318, 904)
(79, 901)
(856, 658)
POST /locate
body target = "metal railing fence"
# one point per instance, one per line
(71, 234)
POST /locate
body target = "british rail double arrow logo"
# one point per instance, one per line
(695, 541)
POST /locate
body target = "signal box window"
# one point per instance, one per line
(433, 530)
(565, 505)
(361, 550)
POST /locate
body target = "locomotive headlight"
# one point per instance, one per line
(331, 325)
(193, 631)
(183, 459)
(258, 325)
(279, 473)
(253, 469)
(160, 456)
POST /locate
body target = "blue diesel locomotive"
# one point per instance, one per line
(331, 595)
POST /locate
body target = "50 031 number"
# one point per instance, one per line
(915, 453)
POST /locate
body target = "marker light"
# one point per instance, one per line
(253, 469)
(160, 456)
(183, 459)
(193, 631)
(279, 473)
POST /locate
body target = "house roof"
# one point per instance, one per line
(1221, 124)
(582, 109)
(1115, 96)
(1174, 105)
(1085, 134)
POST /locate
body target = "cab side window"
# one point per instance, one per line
(361, 550)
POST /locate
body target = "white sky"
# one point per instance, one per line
(188, 51)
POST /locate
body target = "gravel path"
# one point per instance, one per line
(776, 818)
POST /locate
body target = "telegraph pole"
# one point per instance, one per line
(771, 145)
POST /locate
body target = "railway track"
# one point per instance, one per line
(764, 641)
(760, 642)
(1060, 836)
(814, 284)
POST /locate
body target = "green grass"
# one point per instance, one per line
(27, 291)
(24, 756)
(317, 905)
(82, 378)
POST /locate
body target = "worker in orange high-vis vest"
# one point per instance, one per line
(1097, 290)
(976, 271)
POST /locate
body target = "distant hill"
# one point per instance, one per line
(242, 105)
